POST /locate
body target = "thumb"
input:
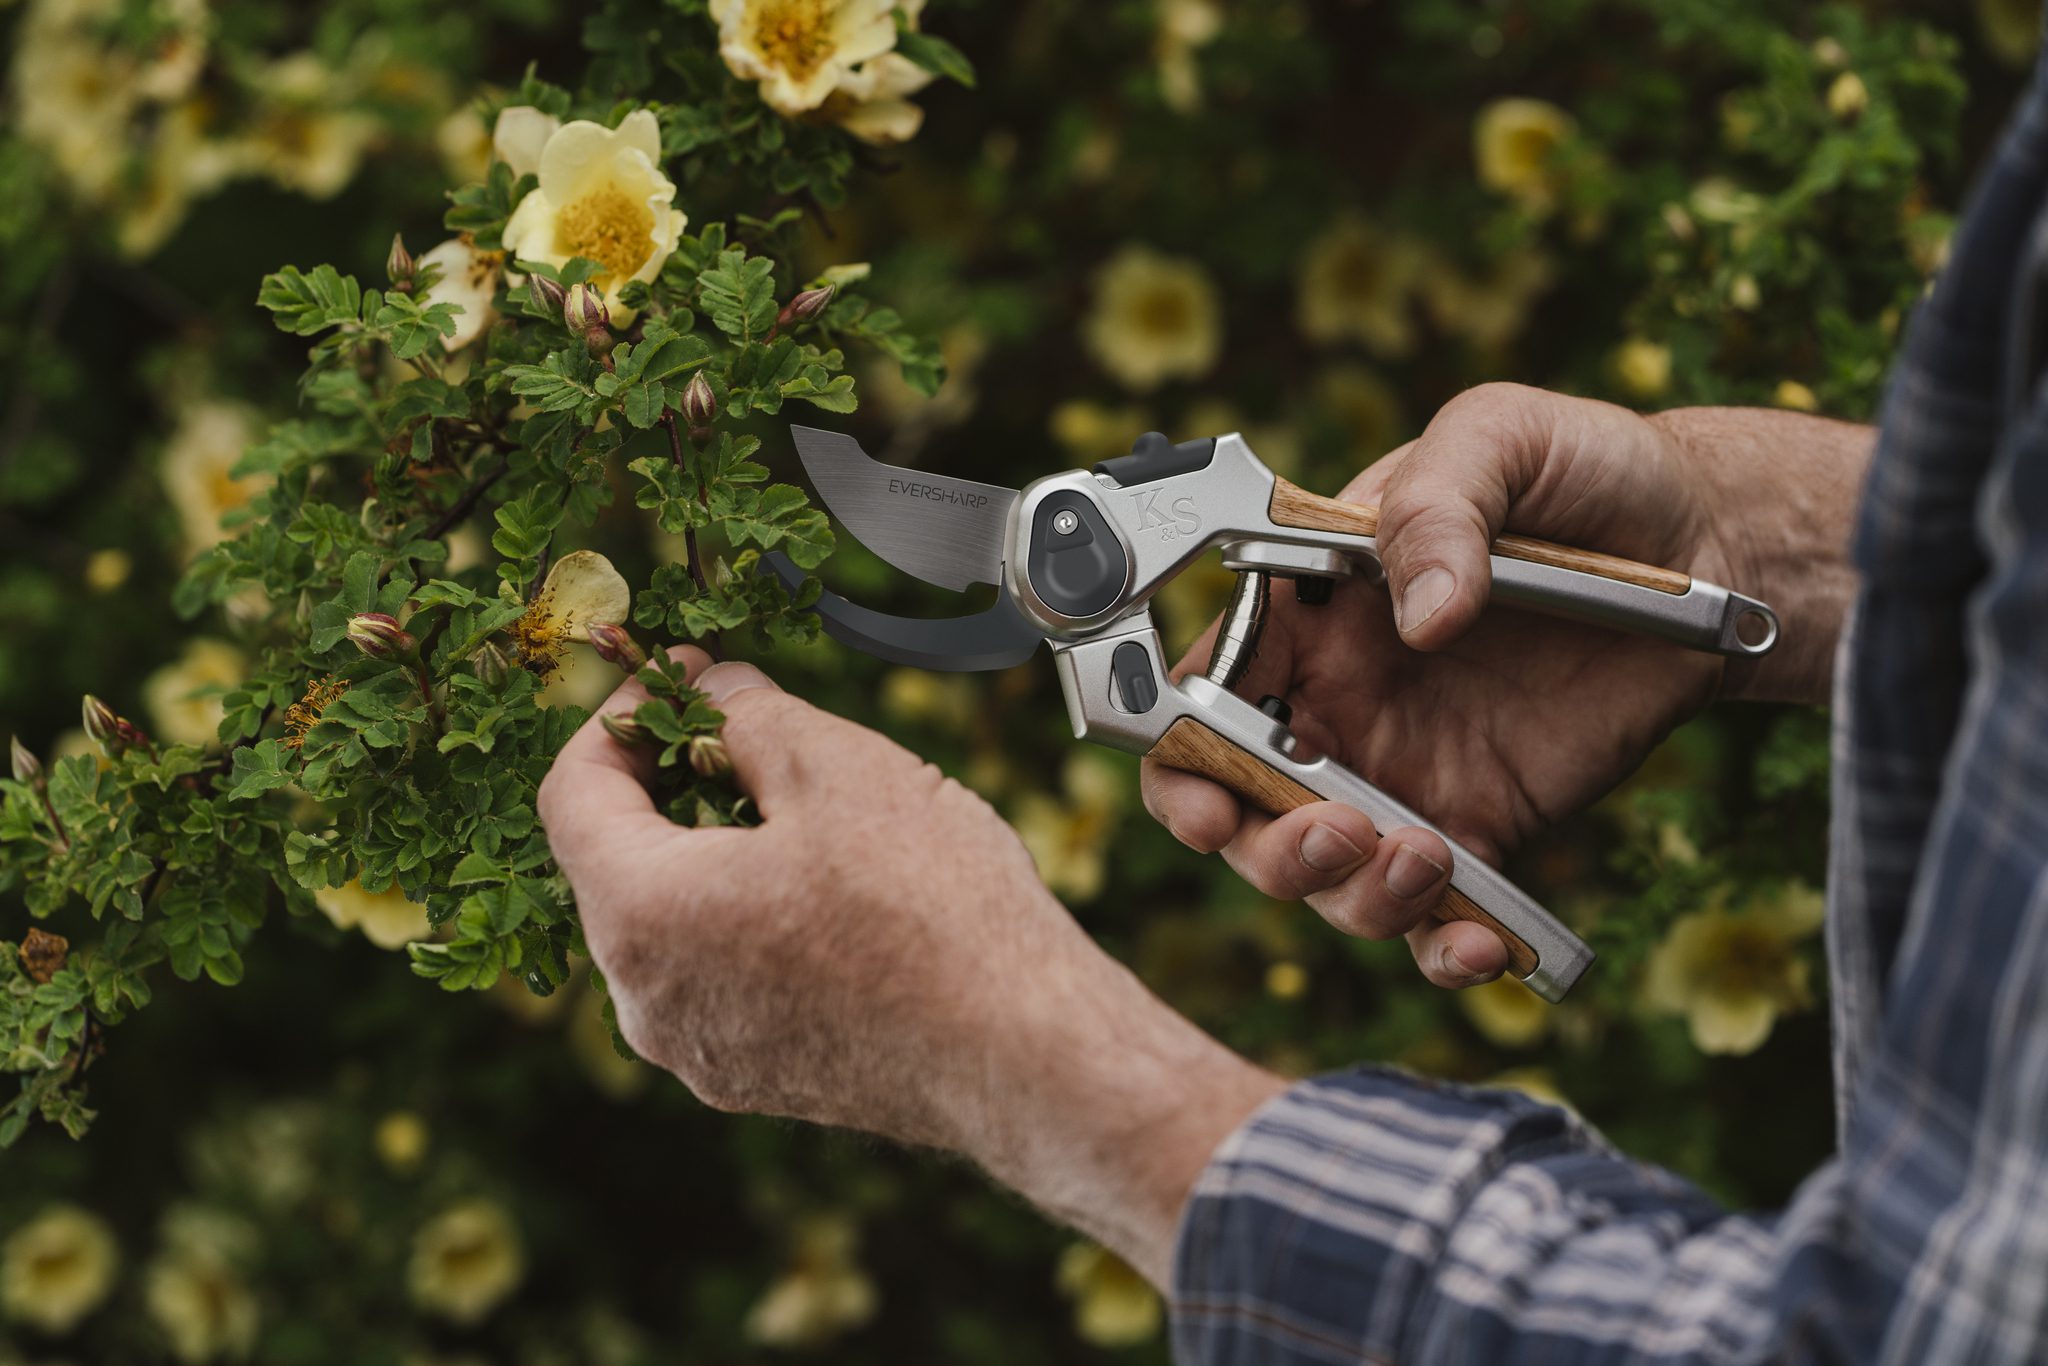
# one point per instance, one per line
(1439, 512)
(768, 734)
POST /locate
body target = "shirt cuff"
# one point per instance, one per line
(1315, 1230)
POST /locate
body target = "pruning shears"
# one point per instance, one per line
(1076, 557)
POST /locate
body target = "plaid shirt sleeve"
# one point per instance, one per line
(1375, 1217)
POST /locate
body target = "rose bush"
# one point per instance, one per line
(337, 605)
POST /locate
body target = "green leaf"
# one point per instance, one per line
(738, 294)
(260, 768)
(305, 304)
(552, 386)
(936, 55)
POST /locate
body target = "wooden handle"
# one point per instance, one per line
(1297, 507)
(1193, 746)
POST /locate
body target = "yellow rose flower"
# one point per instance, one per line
(520, 135)
(1155, 318)
(107, 569)
(1515, 143)
(467, 278)
(465, 1261)
(1113, 1305)
(304, 136)
(1274, 443)
(823, 1295)
(388, 919)
(209, 438)
(57, 1268)
(2011, 29)
(947, 701)
(1732, 973)
(1643, 367)
(1790, 393)
(582, 590)
(1069, 836)
(401, 1140)
(194, 1292)
(74, 93)
(1286, 981)
(1358, 284)
(1848, 97)
(1506, 1012)
(182, 162)
(464, 142)
(1185, 27)
(184, 697)
(603, 197)
(801, 51)
(873, 103)
(1490, 310)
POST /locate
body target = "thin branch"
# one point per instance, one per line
(464, 505)
(712, 645)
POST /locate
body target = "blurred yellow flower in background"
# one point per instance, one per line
(465, 1261)
(1533, 1082)
(1732, 973)
(107, 569)
(1185, 27)
(1790, 393)
(306, 134)
(57, 1268)
(194, 1291)
(1276, 444)
(1515, 144)
(590, 1042)
(401, 1140)
(948, 701)
(1365, 408)
(1359, 283)
(1113, 1305)
(602, 196)
(873, 102)
(464, 141)
(388, 919)
(1506, 1012)
(184, 696)
(2011, 29)
(209, 438)
(1155, 318)
(823, 1294)
(1089, 432)
(1068, 836)
(1643, 367)
(1286, 981)
(1489, 310)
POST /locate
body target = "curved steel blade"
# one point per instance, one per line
(998, 638)
(946, 531)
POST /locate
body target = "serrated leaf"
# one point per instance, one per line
(304, 304)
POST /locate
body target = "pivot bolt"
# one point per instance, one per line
(1065, 522)
(1276, 708)
(1314, 590)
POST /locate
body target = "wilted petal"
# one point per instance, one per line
(582, 590)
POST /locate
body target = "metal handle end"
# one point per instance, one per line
(1756, 619)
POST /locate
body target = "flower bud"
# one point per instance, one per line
(492, 667)
(622, 727)
(1848, 97)
(615, 645)
(584, 311)
(27, 768)
(399, 265)
(102, 726)
(700, 406)
(547, 295)
(708, 756)
(378, 635)
(806, 306)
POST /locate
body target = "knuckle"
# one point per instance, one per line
(1353, 908)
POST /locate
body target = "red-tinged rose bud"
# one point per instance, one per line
(622, 727)
(547, 295)
(399, 265)
(700, 406)
(27, 768)
(378, 635)
(584, 311)
(102, 726)
(615, 645)
(708, 756)
(805, 306)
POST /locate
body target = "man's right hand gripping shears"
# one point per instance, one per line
(1077, 556)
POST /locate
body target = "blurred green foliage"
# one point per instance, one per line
(1311, 221)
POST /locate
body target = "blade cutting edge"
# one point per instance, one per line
(946, 531)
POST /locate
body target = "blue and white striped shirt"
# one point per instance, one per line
(1375, 1217)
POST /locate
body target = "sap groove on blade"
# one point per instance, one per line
(945, 530)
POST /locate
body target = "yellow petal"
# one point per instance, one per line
(521, 135)
(1729, 1022)
(883, 123)
(583, 590)
(574, 151)
(641, 132)
(468, 280)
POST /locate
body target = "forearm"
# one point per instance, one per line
(1103, 1106)
(1782, 490)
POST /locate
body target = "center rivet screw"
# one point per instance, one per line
(1065, 522)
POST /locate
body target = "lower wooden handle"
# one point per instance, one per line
(1297, 507)
(1190, 745)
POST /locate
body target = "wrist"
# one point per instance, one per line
(1778, 492)
(1103, 1106)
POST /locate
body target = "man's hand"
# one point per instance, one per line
(1496, 724)
(879, 953)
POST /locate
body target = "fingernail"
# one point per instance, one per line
(721, 681)
(1425, 593)
(1325, 849)
(1450, 965)
(1411, 873)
